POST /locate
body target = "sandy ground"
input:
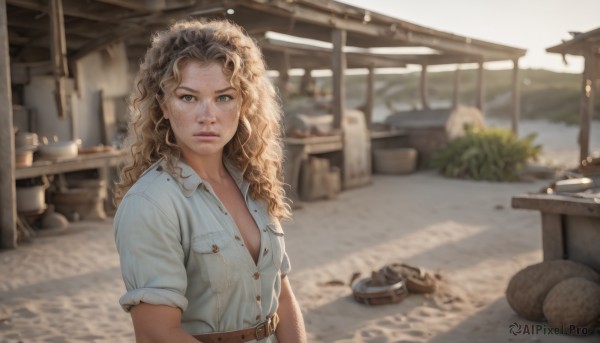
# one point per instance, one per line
(65, 288)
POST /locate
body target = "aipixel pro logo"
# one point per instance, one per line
(541, 329)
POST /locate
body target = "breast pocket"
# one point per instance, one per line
(214, 254)
(277, 243)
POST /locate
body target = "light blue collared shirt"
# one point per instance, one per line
(179, 247)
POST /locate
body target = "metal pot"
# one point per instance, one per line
(58, 150)
(31, 199)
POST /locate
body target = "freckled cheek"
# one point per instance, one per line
(230, 111)
(181, 115)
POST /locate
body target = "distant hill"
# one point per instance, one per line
(544, 94)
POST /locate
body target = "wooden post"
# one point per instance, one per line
(516, 98)
(480, 100)
(456, 88)
(284, 78)
(424, 93)
(8, 209)
(338, 83)
(370, 97)
(553, 236)
(306, 83)
(587, 104)
(58, 48)
(338, 67)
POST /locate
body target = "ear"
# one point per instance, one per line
(165, 110)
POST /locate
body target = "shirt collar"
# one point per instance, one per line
(190, 180)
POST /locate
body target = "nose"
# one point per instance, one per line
(206, 113)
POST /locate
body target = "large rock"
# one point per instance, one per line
(573, 305)
(528, 288)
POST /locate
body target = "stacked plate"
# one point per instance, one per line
(25, 144)
(26, 140)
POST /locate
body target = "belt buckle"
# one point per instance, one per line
(263, 329)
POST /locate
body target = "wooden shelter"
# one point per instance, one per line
(587, 45)
(78, 52)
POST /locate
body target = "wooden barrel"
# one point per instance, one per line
(395, 161)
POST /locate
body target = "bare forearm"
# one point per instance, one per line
(291, 326)
(158, 324)
(177, 335)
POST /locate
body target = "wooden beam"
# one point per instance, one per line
(423, 88)
(480, 100)
(8, 209)
(338, 67)
(140, 6)
(516, 98)
(150, 5)
(90, 10)
(393, 32)
(557, 204)
(437, 59)
(464, 45)
(354, 58)
(104, 41)
(587, 104)
(578, 45)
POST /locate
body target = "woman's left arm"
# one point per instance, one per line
(291, 324)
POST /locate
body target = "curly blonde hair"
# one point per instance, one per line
(256, 147)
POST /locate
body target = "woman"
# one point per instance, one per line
(197, 226)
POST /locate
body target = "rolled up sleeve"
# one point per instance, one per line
(286, 267)
(152, 259)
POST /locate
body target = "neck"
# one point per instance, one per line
(209, 168)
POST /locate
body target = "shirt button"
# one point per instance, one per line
(256, 276)
(215, 248)
(258, 298)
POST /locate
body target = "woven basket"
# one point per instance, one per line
(395, 161)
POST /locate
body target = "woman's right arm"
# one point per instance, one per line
(152, 264)
(158, 323)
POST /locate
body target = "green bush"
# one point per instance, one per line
(492, 154)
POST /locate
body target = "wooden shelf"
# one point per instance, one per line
(81, 162)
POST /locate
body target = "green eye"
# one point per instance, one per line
(187, 98)
(224, 97)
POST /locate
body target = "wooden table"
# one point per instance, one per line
(298, 150)
(570, 225)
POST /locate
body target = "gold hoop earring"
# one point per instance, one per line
(167, 137)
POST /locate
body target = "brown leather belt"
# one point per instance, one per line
(260, 331)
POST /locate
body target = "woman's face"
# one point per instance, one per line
(203, 110)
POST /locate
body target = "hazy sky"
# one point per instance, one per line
(528, 24)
